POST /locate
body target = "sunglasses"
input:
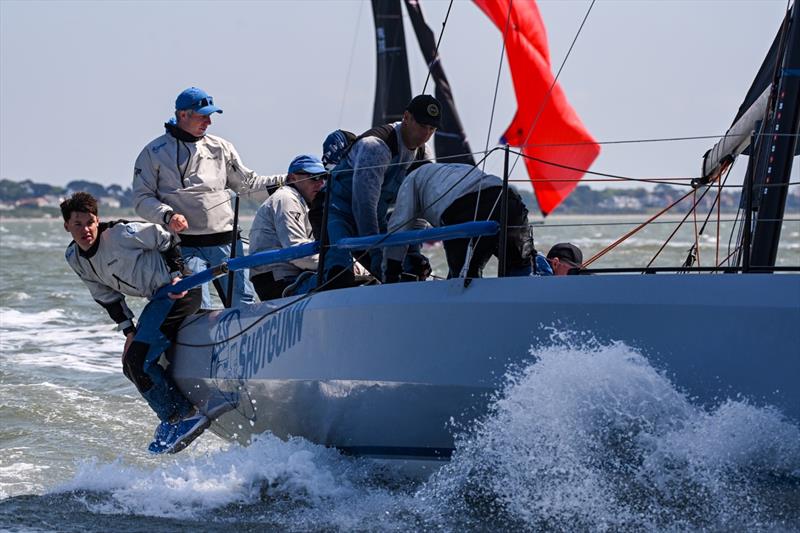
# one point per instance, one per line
(203, 102)
(313, 177)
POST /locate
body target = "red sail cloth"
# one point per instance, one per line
(557, 123)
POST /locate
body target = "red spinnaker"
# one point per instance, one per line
(557, 124)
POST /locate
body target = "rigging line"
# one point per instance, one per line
(719, 206)
(738, 233)
(615, 177)
(471, 246)
(696, 234)
(727, 258)
(497, 79)
(436, 50)
(717, 199)
(721, 183)
(655, 140)
(692, 209)
(653, 223)
(555, 80)
(350, 65)
(663, 181)
(586, 171)
(616, 243)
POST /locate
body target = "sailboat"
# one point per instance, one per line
(389, 371)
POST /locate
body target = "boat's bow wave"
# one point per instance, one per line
(592, 437)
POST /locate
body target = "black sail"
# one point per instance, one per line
(767, 73)
(450, 141)
(777, 151)
(393, 85)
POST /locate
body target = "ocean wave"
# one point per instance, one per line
(11, 318)
(290, 485)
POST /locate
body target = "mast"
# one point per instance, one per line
(777, 149)
(392, 84)
(450, 140)
(765, 128)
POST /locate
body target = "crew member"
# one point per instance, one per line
(452, 193)
(185, 179)
(282, 221)
(364, 184)
(121, 258)
(563, 257)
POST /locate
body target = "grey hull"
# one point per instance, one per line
(389, 371)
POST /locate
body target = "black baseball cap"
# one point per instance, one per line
(567, 252)
(426, 110)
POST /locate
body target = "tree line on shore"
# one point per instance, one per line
(28, 197)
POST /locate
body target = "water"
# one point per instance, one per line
(591, 437)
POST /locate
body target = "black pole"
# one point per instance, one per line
(234, 238)
(747, 201)
(323, 233)
(501, 258)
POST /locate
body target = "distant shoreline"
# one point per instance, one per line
(246, 216)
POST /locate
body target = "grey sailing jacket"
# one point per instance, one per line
(194, 179)
(128, 258)
(280, 222)
(429, 190)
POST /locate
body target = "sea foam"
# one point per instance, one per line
(594, 438)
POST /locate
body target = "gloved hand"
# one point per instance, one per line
(393, 271)
(417, 267)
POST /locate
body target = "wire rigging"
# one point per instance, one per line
(555, 80)
(436, 50)
(350, 64)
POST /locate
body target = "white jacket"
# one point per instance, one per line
(194, 179)
(429, 190)
(280, 222)
(128, 258)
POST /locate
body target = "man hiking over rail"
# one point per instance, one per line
(115, 259)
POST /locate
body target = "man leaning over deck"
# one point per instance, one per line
(115, 259)
(453, 193)
(185, 180)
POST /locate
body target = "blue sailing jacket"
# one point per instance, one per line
(366, 181)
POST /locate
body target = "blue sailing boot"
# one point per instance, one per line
(161, 438)
(184, 432)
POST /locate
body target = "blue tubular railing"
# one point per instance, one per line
(401, 238)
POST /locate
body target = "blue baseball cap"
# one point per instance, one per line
(307, 164)
(197, 100)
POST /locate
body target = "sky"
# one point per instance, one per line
(85, 85)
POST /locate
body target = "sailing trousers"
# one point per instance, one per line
(158, 328)
(338, 271)
(519, 244)
(199, 258)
